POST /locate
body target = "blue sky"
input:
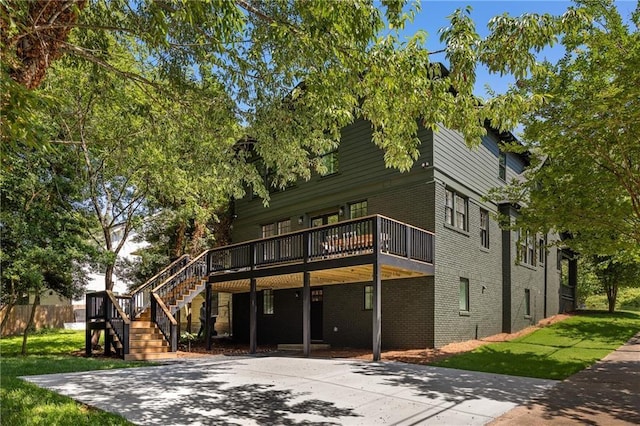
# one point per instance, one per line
(433, 16)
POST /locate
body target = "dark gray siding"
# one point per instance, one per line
(474, 169)
(362, 175)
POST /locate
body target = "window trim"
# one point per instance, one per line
(335, 164)
(362, 209)
(485, 241)
(367, 293)
(452, 202)
(464, 288)
(267, 301)
(502, 166)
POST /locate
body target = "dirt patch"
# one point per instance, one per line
(412, 356)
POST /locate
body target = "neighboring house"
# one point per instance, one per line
(96, 279)
(484, 280)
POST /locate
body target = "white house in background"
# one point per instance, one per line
(96, 280)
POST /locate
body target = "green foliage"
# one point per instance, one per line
(584, 180)
(554, 352)
(295, 73)
(42, 242)
(628, 300)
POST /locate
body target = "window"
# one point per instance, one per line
(329, 163)
(502, 165)
(368, 297)
(464, 294)
(280, 248)
(527, 302)
(267, 301)
(358, 209)
(541, 251)
(268, 230)
(455, 210)
(526, 248)
(484, 228)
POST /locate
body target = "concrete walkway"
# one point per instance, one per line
(287, 391)
(607, 393)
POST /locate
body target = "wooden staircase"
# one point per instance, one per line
(128, 322)
(146, 342)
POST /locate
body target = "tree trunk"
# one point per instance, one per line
(108, 277)
(7, 311)
(31, 323)
(179, 244)
(612, 295)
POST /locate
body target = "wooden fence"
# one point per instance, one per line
(52, 316)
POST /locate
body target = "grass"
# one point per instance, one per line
(628, 300)
(554, 352)
(23, 403)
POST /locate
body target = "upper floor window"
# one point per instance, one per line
(329, 162)
(484, 228)
(541, 251)
(502, 165)
(526, 248)
(358, 209)
(455, 210)
(273, 249)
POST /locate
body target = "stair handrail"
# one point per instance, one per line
(166, 322)
(198, 267)
(141, 296)
(120, 322)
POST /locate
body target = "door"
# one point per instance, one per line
(316, 314)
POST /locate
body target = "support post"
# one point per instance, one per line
(377, 312)
(306, 314)
(377, 293)
(189, 317)
(253, 317)
(207, 313)
(87, 317)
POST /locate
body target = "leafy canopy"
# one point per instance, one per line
(586, 180)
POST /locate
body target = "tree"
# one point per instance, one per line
(585, 176)
(615, 272)
(42, 242)
(135, 149)
(296, 72)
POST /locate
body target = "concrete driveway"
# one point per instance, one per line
(275, 390)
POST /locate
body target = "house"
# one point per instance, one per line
(485, 279)
(361, 256)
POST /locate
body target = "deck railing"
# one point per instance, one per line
(348, 238)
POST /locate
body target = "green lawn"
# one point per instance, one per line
(22, 403)
(554, 352)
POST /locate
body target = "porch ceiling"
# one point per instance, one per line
(345, 275)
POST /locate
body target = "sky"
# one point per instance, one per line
(433, 16)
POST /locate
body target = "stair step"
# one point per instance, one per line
(146, 336)
(144, 344)
(150, 356)
(142, 324)
(148, 350)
